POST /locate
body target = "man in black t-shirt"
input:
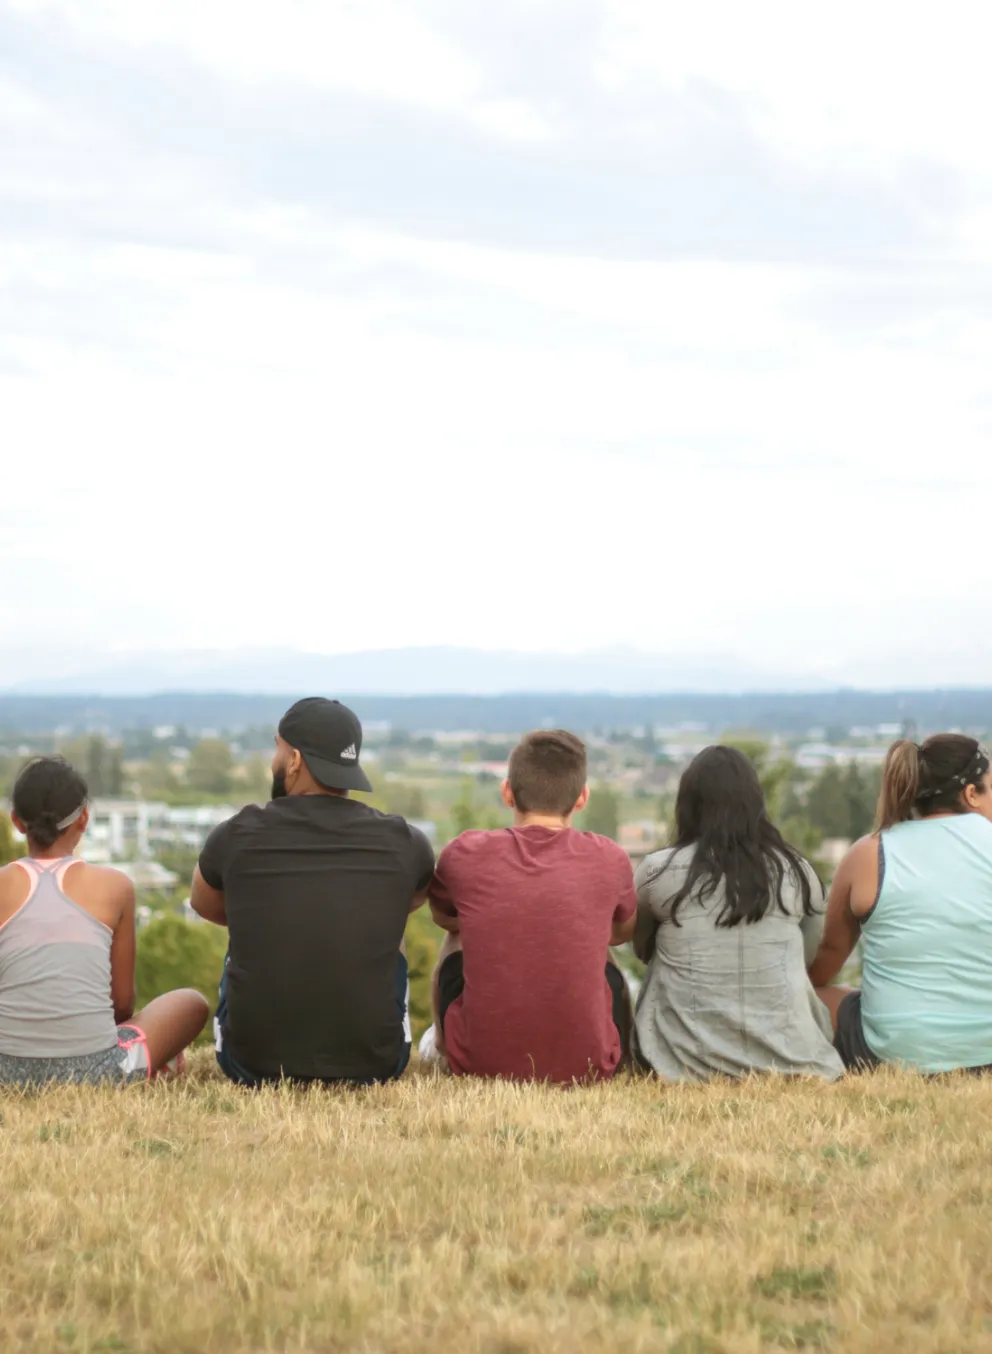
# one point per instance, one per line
(315, 889)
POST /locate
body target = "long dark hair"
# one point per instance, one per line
(720, 810)
(46, 792)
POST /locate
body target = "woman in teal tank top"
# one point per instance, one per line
(918, 892)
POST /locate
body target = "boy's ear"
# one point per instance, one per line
(506, 794)
(582, 800)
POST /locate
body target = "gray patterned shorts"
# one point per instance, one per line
(120, 1066)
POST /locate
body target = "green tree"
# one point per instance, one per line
(181, 860)
(775, 775)
(115, 772)
(423, 941)
(99, 762)
(406, 800)
(10, 847)
(602, 813)
(156, 778)
(841, 801)
(862, 786)
(210, 767)
(255, 780)
(827, 803)
(464, 814)
(173, 952)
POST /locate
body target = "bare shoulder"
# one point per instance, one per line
(864, 852)
(10, 874)
(857, 873)
(112, 878)
(105, 881)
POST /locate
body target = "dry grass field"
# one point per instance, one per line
(442, 1216)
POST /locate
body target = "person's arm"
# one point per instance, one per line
(811, 926)
(646, 923)
(206, 901)
(425, 869)
(207, 894)
(625, 912)
(841, 928)
(122, 950)
(443, 909)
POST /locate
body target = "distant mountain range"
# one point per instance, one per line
(399, 672)
(833, 712)
(460, 688)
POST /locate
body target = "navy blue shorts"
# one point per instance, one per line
(241, 1075)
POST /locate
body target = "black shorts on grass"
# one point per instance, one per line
(451, 984)
(849, 1041)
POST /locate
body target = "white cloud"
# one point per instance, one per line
(860, 81)
(239, 412)
(377, 49)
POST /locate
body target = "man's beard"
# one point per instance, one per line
(278, 785)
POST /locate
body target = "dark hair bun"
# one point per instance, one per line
(47, 791)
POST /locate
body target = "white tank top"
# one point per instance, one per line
(54, 973)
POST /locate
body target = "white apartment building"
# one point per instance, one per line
(135, 829)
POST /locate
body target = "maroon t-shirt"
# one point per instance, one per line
(536, 907)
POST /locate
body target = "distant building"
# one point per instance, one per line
(816, 756)
(832, 850)
(641, 838)
(148, 874)
(135, 829)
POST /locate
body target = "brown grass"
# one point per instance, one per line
(443, 1216)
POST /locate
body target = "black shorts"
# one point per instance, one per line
(451, 984)
(849, 1041)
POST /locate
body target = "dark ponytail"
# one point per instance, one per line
(922, 779)
(47, 792)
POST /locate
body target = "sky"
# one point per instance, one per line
(552, 325)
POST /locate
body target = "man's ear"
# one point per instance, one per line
(582, 800)
(506, 794)
(294, 766)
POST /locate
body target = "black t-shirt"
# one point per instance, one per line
(318, 889)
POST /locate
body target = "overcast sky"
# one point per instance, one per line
(545, 324)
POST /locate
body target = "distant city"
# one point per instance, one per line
(165, 769)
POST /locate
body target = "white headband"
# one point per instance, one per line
(68, 822)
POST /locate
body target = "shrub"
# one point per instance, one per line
(173, 952)
(423, 940)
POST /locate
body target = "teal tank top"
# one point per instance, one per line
(927, 946)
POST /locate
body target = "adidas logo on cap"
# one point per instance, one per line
(350, 754)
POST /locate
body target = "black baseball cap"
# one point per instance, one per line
(329, 738)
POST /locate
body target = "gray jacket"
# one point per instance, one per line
(727, 1000)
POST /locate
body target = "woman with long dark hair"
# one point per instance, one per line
(727, 920)
(67, 954)
(918, 893)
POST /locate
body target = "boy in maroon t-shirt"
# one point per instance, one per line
(525, 987)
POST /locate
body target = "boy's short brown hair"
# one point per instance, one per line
(547, 771)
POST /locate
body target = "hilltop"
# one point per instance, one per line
(457, 1217)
